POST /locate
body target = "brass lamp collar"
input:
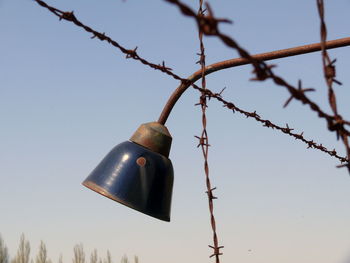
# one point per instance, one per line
(153, 136)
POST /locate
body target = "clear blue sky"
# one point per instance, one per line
(66, 100)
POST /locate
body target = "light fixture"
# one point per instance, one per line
(138, 173)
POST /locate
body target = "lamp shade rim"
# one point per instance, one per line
(96, 188)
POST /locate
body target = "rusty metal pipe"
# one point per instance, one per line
(342, 42)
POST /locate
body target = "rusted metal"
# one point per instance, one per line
(153, 136)
(130, 53)
(102, 191)
(262, 71)
(204, 143)
(141, 161)
(330, 74)
(268, 124)
(209, 26)
(300, 50)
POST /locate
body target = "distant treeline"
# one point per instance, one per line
(23, 254)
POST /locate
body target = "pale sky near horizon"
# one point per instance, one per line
(66, 100)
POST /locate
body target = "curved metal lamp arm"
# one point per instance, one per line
(242, 61)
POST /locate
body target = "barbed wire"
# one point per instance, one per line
(209, 26)
(207, 21)
(329, 71)
(130, 53)
(268, 124)
(204, 143)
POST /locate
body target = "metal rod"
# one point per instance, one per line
(342, 42)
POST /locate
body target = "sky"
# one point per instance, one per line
(66, 100)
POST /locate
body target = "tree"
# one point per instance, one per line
(109, 258)
(79, 254)
(124, 259)
(42, 255)
(93, 257)
(23, 251)
(60, 259)
(4, 257)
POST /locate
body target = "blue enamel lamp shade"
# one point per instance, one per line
(137, 176)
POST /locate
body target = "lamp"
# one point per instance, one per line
(138, 173)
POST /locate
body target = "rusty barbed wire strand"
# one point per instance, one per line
(329, 71)
(209, 26)
(69, 16)
(267, 123)
(130, 53)
(204, 143)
